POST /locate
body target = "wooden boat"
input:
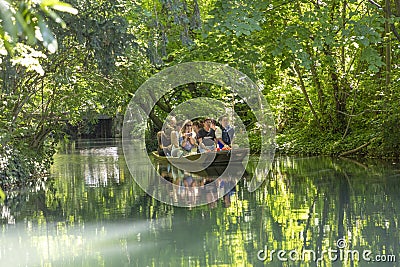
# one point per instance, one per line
(200, 161)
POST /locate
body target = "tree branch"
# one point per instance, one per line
(352, 151)
(375, 4)
(388, 11)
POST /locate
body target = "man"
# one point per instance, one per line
(218, 135)
(206, 137)
(227, 131)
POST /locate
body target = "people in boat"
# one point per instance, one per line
(228, 132)
(187, 137)
(206, 137)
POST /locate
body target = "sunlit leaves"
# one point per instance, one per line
(29, 58)
(2, 195)
(237, 17)
(24, 22)
(327, 31)
(46, 36)
(57, 5)
(8, 31)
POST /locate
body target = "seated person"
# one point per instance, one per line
(164, 144)
(228, 132)
(176, 150)
(187, 139)
(197, 125)
(206, 137)
(164, 138)
(218, 134)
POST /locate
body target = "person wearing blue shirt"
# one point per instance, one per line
(228, 132)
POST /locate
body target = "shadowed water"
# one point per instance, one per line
(92, 213)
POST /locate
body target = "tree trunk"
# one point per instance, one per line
(388, 48)
(157, 121)
(340, 101)
(303, 89)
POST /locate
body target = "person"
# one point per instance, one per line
(206, 137)
(176, 150)
(187, 139)
(160, 147)
(197, 125)
(228, 132)
(164, 138)
(218, 135)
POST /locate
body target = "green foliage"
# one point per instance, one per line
(235, 17)
(391, 135)
(323, 66)
(21, 166)
(101, 32)
(2, 195)
(21, 20)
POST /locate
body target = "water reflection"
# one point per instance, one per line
(107, 220)
(105, 167)
(210, 184)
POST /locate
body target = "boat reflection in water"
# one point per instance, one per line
(210, 184)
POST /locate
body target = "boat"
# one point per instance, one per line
(199, 161)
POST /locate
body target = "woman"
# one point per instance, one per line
(176, 150)
(164, 139)
(187, 139)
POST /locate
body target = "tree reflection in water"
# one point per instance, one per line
(307, 203)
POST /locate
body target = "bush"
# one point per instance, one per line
(19, 167)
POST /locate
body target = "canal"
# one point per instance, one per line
(311, 210)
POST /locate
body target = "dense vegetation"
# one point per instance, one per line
(329, 69)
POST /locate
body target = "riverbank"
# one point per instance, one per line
(20, 167)
(365, 144)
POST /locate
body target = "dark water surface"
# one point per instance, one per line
(92, 213)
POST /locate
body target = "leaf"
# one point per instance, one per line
(7, 45)
(49, 41)
(28, 31)
(373, 58)
(63, 7)
(60, 6)
(2, 195)
(48, 2)
(55, 17)
(286, 63)
(6, 16)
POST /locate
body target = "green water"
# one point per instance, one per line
(92, 213)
